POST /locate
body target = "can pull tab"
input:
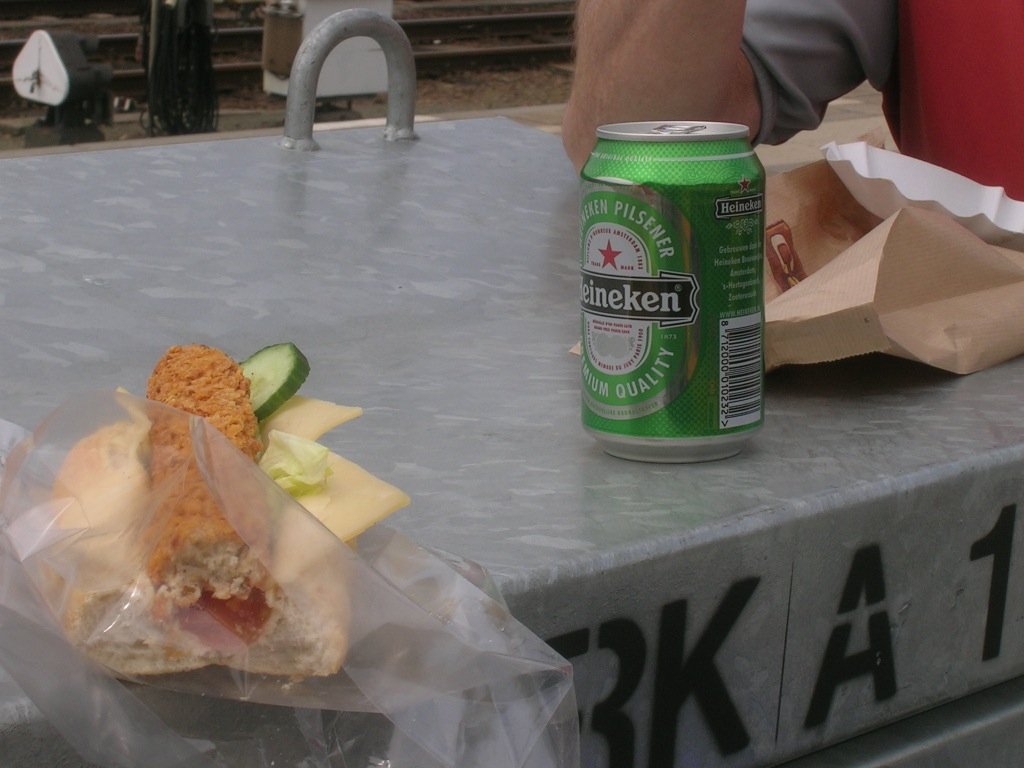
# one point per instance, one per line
(309, 61)
(679, 129)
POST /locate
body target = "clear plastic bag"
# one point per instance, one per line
(435, 671)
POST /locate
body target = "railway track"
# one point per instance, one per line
(439, 44)
(24, 9)
(20, 10)
(17, 10)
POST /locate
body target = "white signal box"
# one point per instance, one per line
(356, 67)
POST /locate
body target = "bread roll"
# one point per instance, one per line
(204, 592)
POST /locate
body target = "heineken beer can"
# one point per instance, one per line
(671, 293)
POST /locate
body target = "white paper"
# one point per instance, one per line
(884, 182)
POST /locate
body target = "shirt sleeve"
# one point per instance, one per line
(806, 53)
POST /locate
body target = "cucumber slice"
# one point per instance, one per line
(275, 373)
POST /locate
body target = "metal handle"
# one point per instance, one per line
(357, 22)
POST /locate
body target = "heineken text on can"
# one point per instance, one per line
(671, 290)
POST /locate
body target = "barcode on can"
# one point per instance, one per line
(740, 371)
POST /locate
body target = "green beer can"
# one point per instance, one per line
(671, 290)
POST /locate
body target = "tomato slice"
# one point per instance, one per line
(244, 618)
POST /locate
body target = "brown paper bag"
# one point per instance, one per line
(918, 285)
(811, 218)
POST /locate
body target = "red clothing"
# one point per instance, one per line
(957, 98)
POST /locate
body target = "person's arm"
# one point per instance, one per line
(807, 53)
(657, 60)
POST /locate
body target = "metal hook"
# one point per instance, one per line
(309, 61)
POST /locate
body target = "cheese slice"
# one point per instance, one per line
(308, 417)
(353, 499)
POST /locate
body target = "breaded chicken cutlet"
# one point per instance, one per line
(206, 382)
(198, 560)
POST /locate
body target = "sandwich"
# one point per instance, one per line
(190, 555)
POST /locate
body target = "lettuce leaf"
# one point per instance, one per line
(298, 465)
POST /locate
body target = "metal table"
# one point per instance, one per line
(859, 563)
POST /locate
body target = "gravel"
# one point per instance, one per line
(452, 92)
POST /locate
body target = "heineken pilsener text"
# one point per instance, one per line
(671, 292)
